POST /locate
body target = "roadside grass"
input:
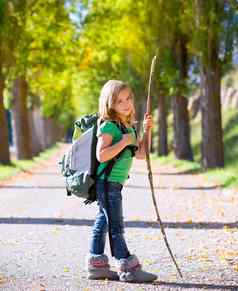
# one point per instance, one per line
(226, 177)
(24, 165)
(183, 166)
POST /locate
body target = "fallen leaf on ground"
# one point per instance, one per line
(66, 269)
(189, 221)
(236, 268)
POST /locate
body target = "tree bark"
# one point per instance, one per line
(4, 142)
(162, 127)
(182, 143)
(36, 146)
(182, 146)
(212, 135)
(21, 121)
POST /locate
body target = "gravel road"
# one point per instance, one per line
(44, 235)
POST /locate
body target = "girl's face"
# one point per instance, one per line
(124, 104)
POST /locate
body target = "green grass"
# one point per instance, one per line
(184, 166)
(24, 165)
(226, 177)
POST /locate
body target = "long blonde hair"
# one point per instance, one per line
(109, 93)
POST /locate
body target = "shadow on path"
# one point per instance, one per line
(197, 285)
(179, 173)
(175, 188)
(135, 224)
(30, 187)
(126, 186)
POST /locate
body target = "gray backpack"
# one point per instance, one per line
(79, 165)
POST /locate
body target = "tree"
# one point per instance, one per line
(20, 84)
(162, 89)
(172, 39)
(53, 59)
(162, 149)
(43, 48)
(114, 46)
(4, 144)
(6, 29)
(182, 144)
(213, 40)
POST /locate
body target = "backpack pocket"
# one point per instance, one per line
(79, 184)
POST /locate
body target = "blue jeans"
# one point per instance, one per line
(113, 215)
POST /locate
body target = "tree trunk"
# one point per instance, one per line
(36, 146)
(140, 111)
(162, 130)
(182, 147)
(21, 121)
(4, 143)
(212, 136)
(182, 143)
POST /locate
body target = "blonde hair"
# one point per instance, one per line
(108, 96)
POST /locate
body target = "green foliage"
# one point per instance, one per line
(55, 91)
(3, 4)
(168, 34)
(43, 41)
(112, 47)
(69, 49)
(7, 35)
(216, 21)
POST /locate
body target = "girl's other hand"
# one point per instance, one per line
(147, 122)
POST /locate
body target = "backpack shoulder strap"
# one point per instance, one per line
(124, 130)
(134, 128)
(121, 127)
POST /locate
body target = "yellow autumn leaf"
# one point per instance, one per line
(146, 237)
(147, 262)
(222, 258)
(236, 268)
(2, 279)
(189, 258)
(231, 254)
(227, 228)
(189, 221)
(136, 218)
(158, 237)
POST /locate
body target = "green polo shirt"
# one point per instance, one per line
(121, 168)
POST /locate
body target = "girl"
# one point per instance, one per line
(116, 106)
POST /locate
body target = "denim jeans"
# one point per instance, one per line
(114, 213)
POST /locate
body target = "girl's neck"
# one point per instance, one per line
(122, 119)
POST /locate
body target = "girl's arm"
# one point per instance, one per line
(105, 151)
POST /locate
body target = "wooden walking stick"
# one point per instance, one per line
(150, 176)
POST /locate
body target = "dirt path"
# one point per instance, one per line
(44, 234)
